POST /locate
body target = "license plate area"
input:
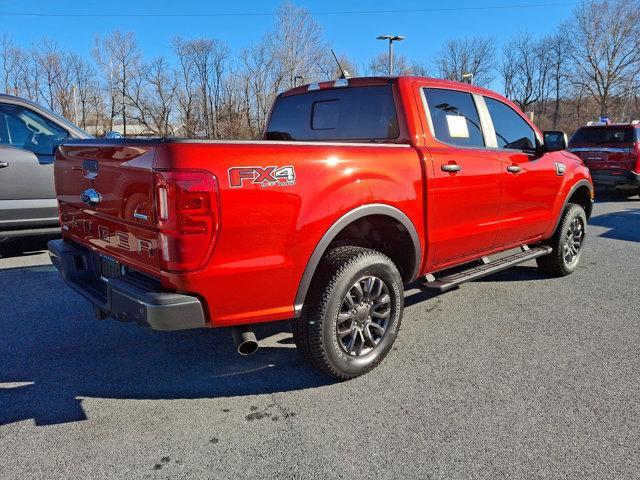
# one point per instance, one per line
(111, 268)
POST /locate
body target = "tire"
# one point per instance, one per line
(365, 345)
(567, 246)
(633, 193)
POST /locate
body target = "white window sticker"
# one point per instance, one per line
(457, 126)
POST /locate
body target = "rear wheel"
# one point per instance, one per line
(352, 314)
(566, 242)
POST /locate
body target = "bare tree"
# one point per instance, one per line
(84, 80)
(206, 61)
(294, 49)
(119, 58)
(260, 86)
(235, 109)
(152, 97)
(297, 46)
(379, 65)
(185, 77)
(543, 58)
(606, 47)
(420, 69)
(558, 46)
(475, 56)
(630, 99)
(28, 76)
(520, 70)
(9, 55)
(55, 66)
(19, 75)
(261, 80)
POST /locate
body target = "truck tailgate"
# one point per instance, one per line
(105, 195)
(598, 157)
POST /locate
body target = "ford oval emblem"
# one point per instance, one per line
(91, 197)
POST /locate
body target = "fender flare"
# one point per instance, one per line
(581, 183)
(337, 227)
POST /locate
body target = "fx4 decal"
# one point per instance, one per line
(263, 176)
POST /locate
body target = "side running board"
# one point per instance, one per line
(487, 268)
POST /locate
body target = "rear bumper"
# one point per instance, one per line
(619, 179)
(130, 297)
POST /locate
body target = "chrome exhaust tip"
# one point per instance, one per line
(245, 340)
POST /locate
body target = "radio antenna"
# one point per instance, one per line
(343, 72)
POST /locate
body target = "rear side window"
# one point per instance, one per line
(454, 117)
(351, 113)
(602, 135)
(512, 131)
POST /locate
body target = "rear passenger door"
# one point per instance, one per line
(465, 183)
(529, 179)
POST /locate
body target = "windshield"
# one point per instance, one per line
(352, 113)
(600, 135)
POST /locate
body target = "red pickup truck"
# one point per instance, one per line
(359, 187)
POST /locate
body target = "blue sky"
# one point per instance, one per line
(350, 34)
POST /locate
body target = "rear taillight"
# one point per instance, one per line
(187, 217)
(634, 157)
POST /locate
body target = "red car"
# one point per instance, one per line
(612, 153)
(360, 187)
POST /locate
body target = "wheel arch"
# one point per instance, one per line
(351, 219)
(580, 194)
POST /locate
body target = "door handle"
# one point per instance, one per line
(514, 169)
(451, 167)
(3, 164)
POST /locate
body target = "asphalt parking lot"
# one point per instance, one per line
(514, 376)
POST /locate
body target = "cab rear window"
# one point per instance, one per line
(352, 113)
(601, 135)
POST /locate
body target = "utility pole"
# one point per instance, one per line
(391, 38)
(75, 103)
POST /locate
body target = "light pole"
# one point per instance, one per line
(391, 38)
(75, 103)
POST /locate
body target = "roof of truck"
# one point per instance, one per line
(386, 80)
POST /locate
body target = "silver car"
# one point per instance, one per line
(29, 135)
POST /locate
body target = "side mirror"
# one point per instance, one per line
(554, 141)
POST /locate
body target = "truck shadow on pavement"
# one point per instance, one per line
(622, 225)
(53, 353)
(23, 247)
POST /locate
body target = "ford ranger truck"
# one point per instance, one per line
(360, 187)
